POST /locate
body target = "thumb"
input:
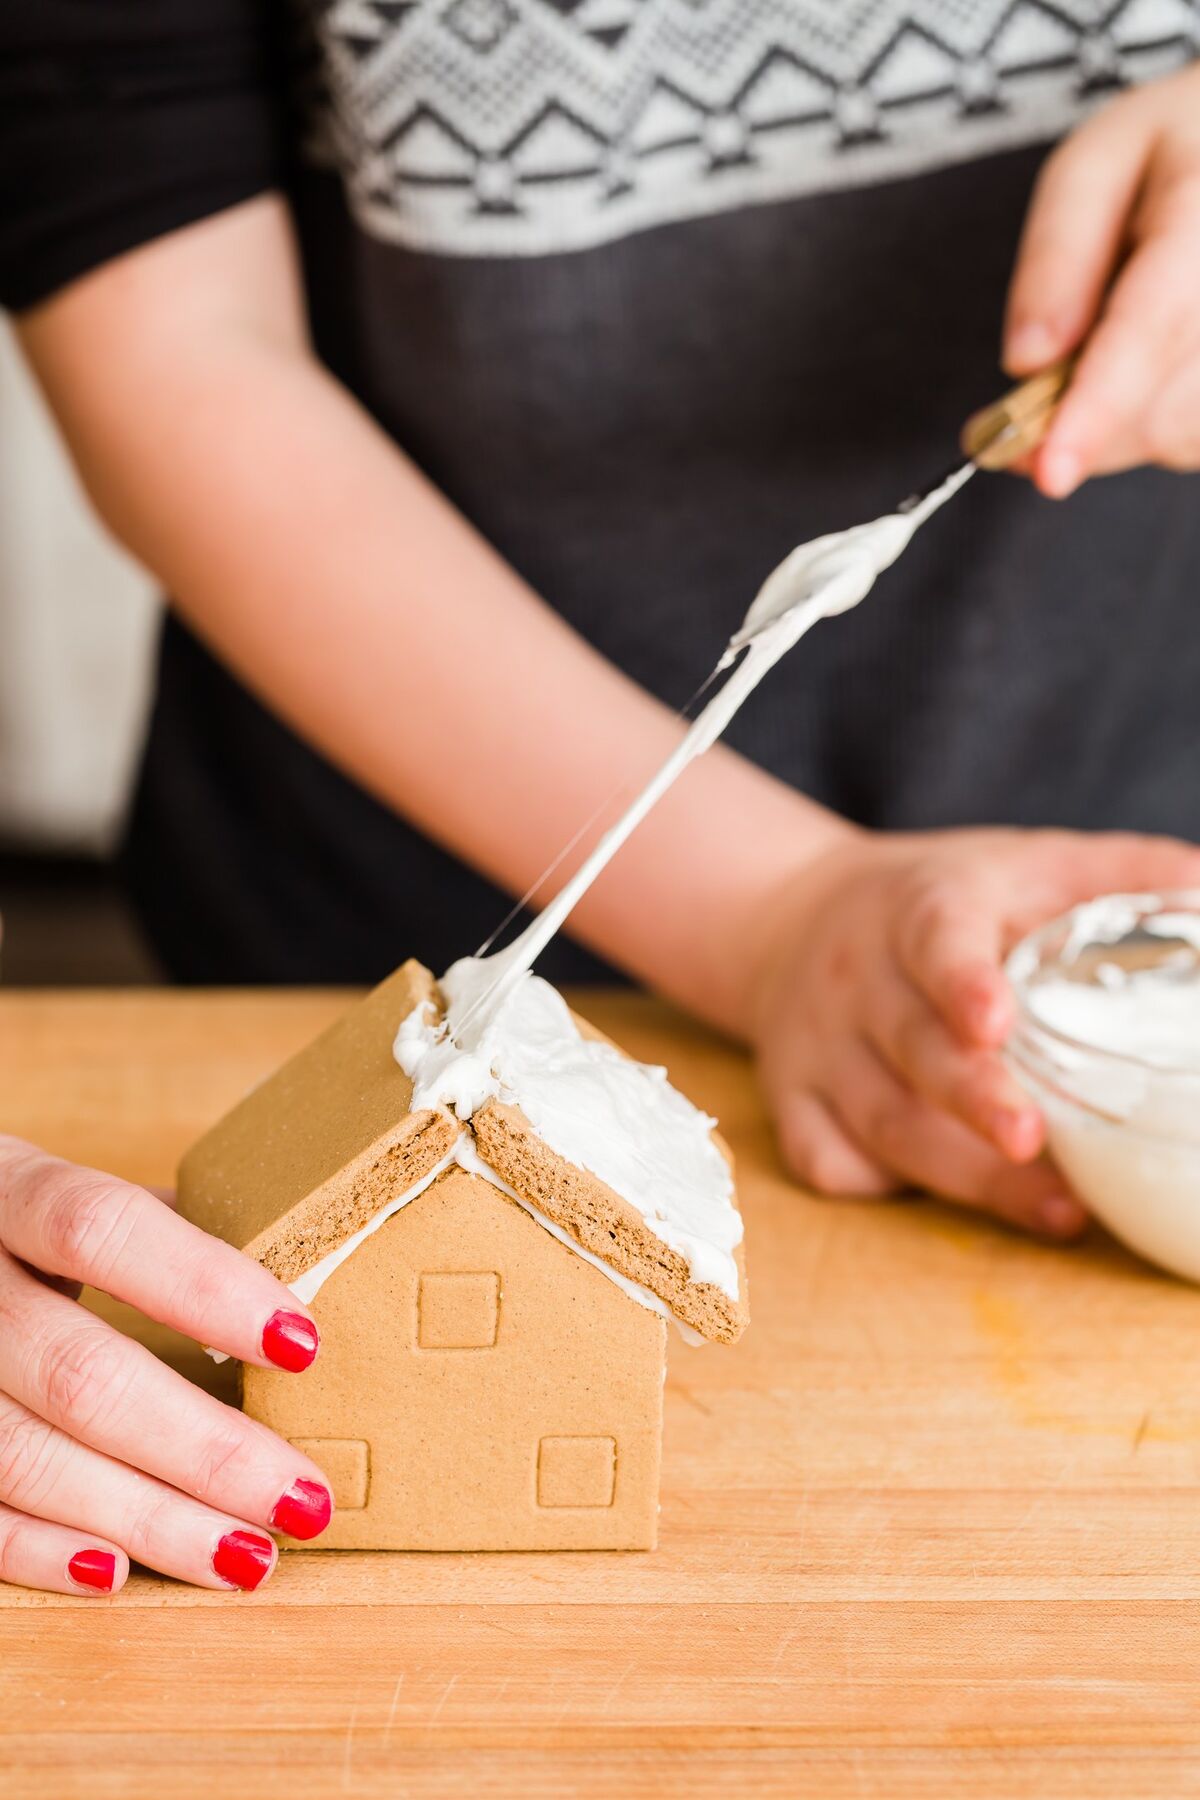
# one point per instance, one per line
(1130, 863)
(1081, 866)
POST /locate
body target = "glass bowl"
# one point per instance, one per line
(1107, 1040)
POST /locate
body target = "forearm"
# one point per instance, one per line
(345, 590)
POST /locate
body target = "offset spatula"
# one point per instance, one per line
(993, 439)
(1000, 434)
(1014, 425)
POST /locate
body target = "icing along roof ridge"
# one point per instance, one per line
(320, 1150)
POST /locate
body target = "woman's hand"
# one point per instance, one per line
(106, 1454)
(881, 1009)
(1111, 254)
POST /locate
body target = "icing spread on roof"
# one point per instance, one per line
(619, 1120)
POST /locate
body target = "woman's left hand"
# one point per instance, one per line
(1110, 258)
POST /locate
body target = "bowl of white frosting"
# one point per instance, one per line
(1108, 1042)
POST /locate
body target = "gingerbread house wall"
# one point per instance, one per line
(480, 1387)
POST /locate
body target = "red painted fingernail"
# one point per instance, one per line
(243, 1558)
(304, 1511)
(290, 1341)
(95, 1569)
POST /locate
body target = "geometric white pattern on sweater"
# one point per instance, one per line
(527, 127)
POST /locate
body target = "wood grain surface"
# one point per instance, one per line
(930, 1529)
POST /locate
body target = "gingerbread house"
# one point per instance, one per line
(493, 1315)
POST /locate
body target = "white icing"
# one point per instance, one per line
(1112, 1052)
(832, 574)
(1151, 1016)
(620, 1120)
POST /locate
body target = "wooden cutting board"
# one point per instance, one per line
(931, 1529)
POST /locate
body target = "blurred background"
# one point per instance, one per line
(78, 624)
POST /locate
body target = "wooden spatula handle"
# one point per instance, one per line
(1014, 425)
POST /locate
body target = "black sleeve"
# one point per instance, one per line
(122, 119)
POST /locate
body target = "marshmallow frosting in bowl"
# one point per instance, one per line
(1108, 1042)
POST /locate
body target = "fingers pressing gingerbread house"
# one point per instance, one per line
(493, 1221)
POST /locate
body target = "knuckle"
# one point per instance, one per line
(912, 1045)
(220, 1459)
(200, 1290)
(928, 909)
(77, 1377)
(10, 1531)
(87, 1223)
(888, 1130)
(147, 1525)
(977, 1091)
(14, 1448)
(27, 1458)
